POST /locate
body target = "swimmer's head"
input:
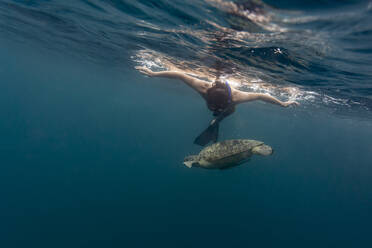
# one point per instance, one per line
(218, 97)
(218, 83)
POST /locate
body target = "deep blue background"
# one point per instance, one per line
(91, 151)
(92, 157)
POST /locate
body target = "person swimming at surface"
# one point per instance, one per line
(220, 97)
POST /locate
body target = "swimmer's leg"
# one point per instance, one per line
(209, 135)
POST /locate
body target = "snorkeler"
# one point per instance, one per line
(220, 97)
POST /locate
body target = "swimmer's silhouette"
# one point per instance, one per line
(220, 97)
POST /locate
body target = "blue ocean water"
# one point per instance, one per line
(91, 151)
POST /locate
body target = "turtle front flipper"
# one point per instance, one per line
(263, 150)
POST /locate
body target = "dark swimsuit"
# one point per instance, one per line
(211, 133)
(229, 89)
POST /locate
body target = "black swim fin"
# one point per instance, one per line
(209, 134)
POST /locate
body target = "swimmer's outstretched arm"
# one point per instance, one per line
(198, 85)
(240, 97)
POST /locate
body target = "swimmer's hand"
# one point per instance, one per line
(290, 103)
(145, 70)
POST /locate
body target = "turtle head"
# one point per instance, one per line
(263, 150)
(191, 161)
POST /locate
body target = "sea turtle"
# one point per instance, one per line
(227, 153)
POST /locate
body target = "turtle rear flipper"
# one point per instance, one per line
(189, 161)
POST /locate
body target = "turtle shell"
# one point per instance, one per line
(229, 151)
